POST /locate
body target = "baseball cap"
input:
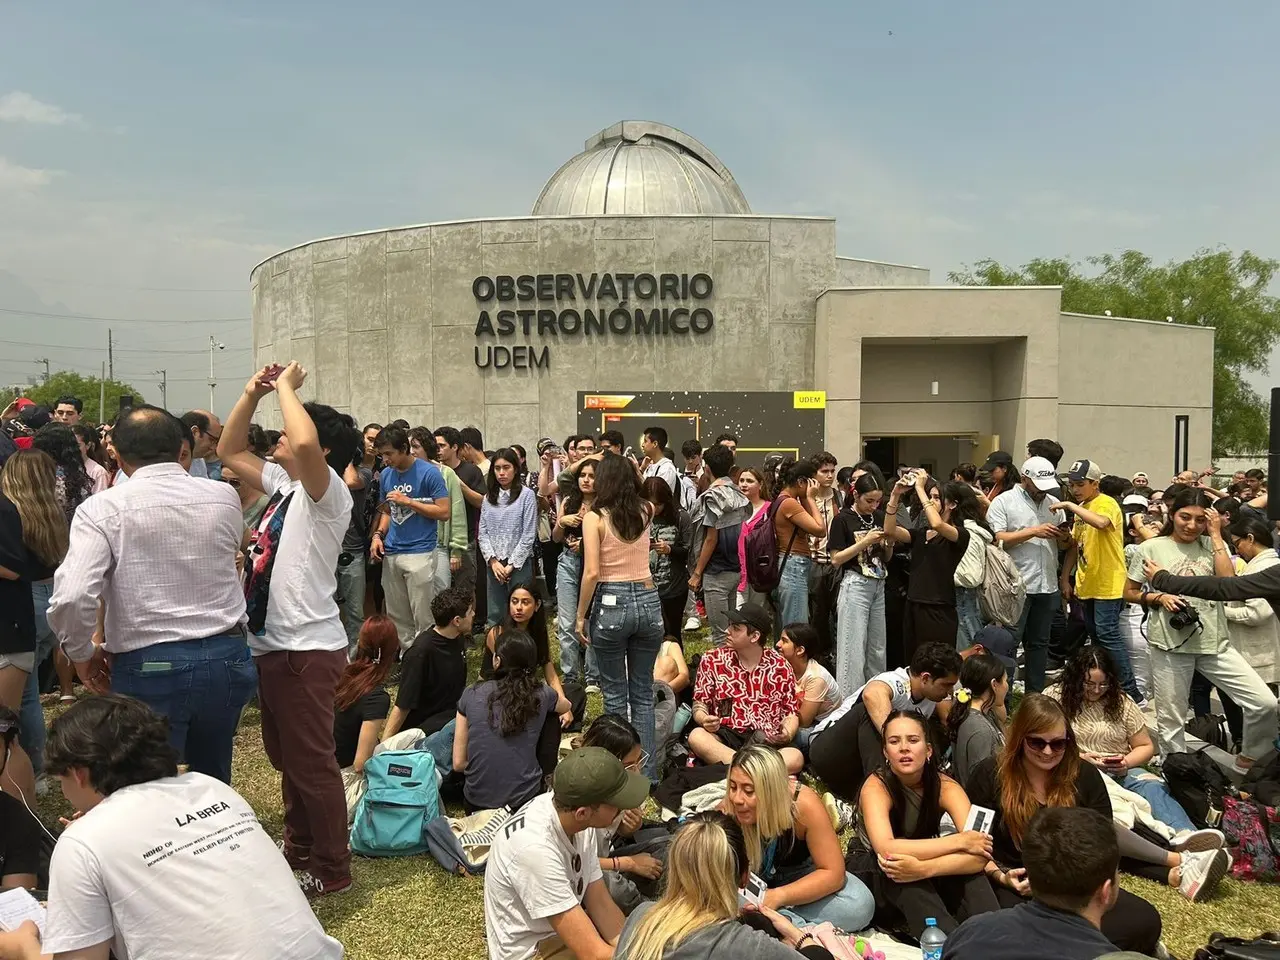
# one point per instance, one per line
(592, 775)
(1136, 500)
(1140, 477)
(23, 402)
(545, 444)
(1000, 458)
(754, 616)
(1000, 642)
(1084, 470)
(1040, 471)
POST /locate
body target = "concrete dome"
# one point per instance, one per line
(641, 169)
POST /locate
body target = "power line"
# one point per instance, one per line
(85, 316)
(142, 350)
(122, 286)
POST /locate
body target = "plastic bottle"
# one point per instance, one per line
(931, 940)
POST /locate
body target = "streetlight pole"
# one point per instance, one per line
(214, 344)
(164, 387)
(45, 361)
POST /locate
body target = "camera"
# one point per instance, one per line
(1187, 617)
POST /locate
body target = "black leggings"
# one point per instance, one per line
(1132, 924)
(673, 614)
(846, 753)
(949, 900)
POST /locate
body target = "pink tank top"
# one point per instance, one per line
(622, 562)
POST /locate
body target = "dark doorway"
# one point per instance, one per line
(882, 451)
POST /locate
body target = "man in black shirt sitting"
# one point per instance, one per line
(1072, 858)
(433, 672)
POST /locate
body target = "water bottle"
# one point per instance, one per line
(931, 940)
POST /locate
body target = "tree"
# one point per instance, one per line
(1214, 288)
(88, 389)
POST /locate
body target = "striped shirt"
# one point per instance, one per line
(507, 530)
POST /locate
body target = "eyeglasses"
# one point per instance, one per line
(639, 764)
(1099, 687)
(1041, 745)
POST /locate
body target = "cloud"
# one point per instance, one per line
(16, 177)
(21, 107)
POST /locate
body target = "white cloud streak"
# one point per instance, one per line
(15, 177)
(22, 107)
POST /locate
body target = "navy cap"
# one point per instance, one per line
(1000, 642)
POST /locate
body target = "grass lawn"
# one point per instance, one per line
(410, 909)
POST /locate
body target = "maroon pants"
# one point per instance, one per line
(295, 690)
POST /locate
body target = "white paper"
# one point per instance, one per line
(980, 819)
(17, 905)
(753, 892)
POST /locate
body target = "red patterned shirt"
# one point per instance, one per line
(761, 698)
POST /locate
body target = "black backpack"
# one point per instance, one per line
(1210, 728)
(1262, 782)
(1198, 784)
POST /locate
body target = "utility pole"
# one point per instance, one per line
(214, 344)
(102, 395)
(164, 387)
(45, 361)
(111, 363)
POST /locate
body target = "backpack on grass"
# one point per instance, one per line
(1003, 591)
(401, 799)
(1199, 786)
(462, 845)
(763, 569)
(1253, 831)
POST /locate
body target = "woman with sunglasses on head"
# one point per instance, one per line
(914, 873)
(1040, 766)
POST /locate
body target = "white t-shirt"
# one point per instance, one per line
(178, 868)
(301, 611)
(535, 871)
(898, 681)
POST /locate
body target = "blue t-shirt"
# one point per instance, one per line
(409, 531)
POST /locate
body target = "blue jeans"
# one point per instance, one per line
(849, 908)
(568, 581)
(626, 632)
(861, 635)
(1165, 809)
(970, 615)
(1102, 618)
(31, 728)
(201, 686)
(498, 595)
(350, 600)
(440, 746)
(793, 593)
(1033, 632)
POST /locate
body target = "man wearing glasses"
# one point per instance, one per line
(205, 430)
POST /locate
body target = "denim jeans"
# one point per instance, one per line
(1033, 632)
(970, 615)
(719, 596)
(1163, 807)
(568, 581)
(849, 908)
(1102, 618)
(793, 593)
(861, 635)
(350, 599)
(626, 632)
(498, 595)
(1136, 643)
(31, 728)
(201, 686)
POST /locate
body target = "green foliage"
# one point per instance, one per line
(1214, 288)
(87, 389)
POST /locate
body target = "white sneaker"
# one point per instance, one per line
(841, 813)
(593, 688)
(1199, 841)
(1201, 874)
(693, 623)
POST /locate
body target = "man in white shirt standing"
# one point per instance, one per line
(161, 552)
(544, 893)
(658, 464)
(295, 629)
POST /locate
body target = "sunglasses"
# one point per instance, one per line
(1041, 745)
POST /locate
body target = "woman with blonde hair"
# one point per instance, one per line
(698, 914)
(791, 844)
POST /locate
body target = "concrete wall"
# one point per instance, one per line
(852, 272)
(386, 320)
(896, 380)
(1123, 382)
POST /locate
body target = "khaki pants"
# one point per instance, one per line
(409, 583)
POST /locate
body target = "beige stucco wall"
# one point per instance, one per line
(854, 272)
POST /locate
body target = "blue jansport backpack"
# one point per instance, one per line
(401, 799)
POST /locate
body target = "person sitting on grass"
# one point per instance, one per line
(544, 895)
(791, 843)
(744, 690)
(1072, 860)
(146, 869)
(361, 702)
(801, 646)
(977, 720)
(525, 613)
(914, 873)
(506, 735)
(19, 830)
(844, 748)
(699, 918)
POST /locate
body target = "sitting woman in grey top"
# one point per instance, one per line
(977, 719)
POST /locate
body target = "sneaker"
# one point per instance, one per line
(1144, 705)
(841, 813)
(1201, 874)
(297, 861)
(693, 623)
(593, 688)
(314, 887)
(1199, 841)
(1244, 764)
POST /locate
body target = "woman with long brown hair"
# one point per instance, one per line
(670, 537)
(1040, 766)
(361, 703)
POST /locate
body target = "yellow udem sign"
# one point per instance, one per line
(809, 399)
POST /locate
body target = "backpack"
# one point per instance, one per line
(1199, 785)
(1265, 946)
(1253, 831)
(1003, 592)
(973, 565)
(1209, 728)
(401, 799)
(462, 846)
(763, 570)
(1262, 782)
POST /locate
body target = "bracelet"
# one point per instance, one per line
(803, 938)
(615, 864)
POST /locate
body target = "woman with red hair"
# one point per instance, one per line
(361, 703)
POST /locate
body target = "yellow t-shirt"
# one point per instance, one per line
(1100, 566)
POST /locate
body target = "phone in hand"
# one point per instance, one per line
(724, 707)
(1113, 761)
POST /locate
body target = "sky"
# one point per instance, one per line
(152, 153)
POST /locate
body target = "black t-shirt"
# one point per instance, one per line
(19, 839)
(471, 475)
(983, 790)
(354, 540)
(1009, 934)
(433, 675)
(846, 528)
(374, 705)
(933, 566)
(17, 609)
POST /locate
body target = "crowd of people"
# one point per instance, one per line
(859, 675)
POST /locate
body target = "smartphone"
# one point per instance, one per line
(980, 819)
(273, 373)
(724, 707)
(1113, 761)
